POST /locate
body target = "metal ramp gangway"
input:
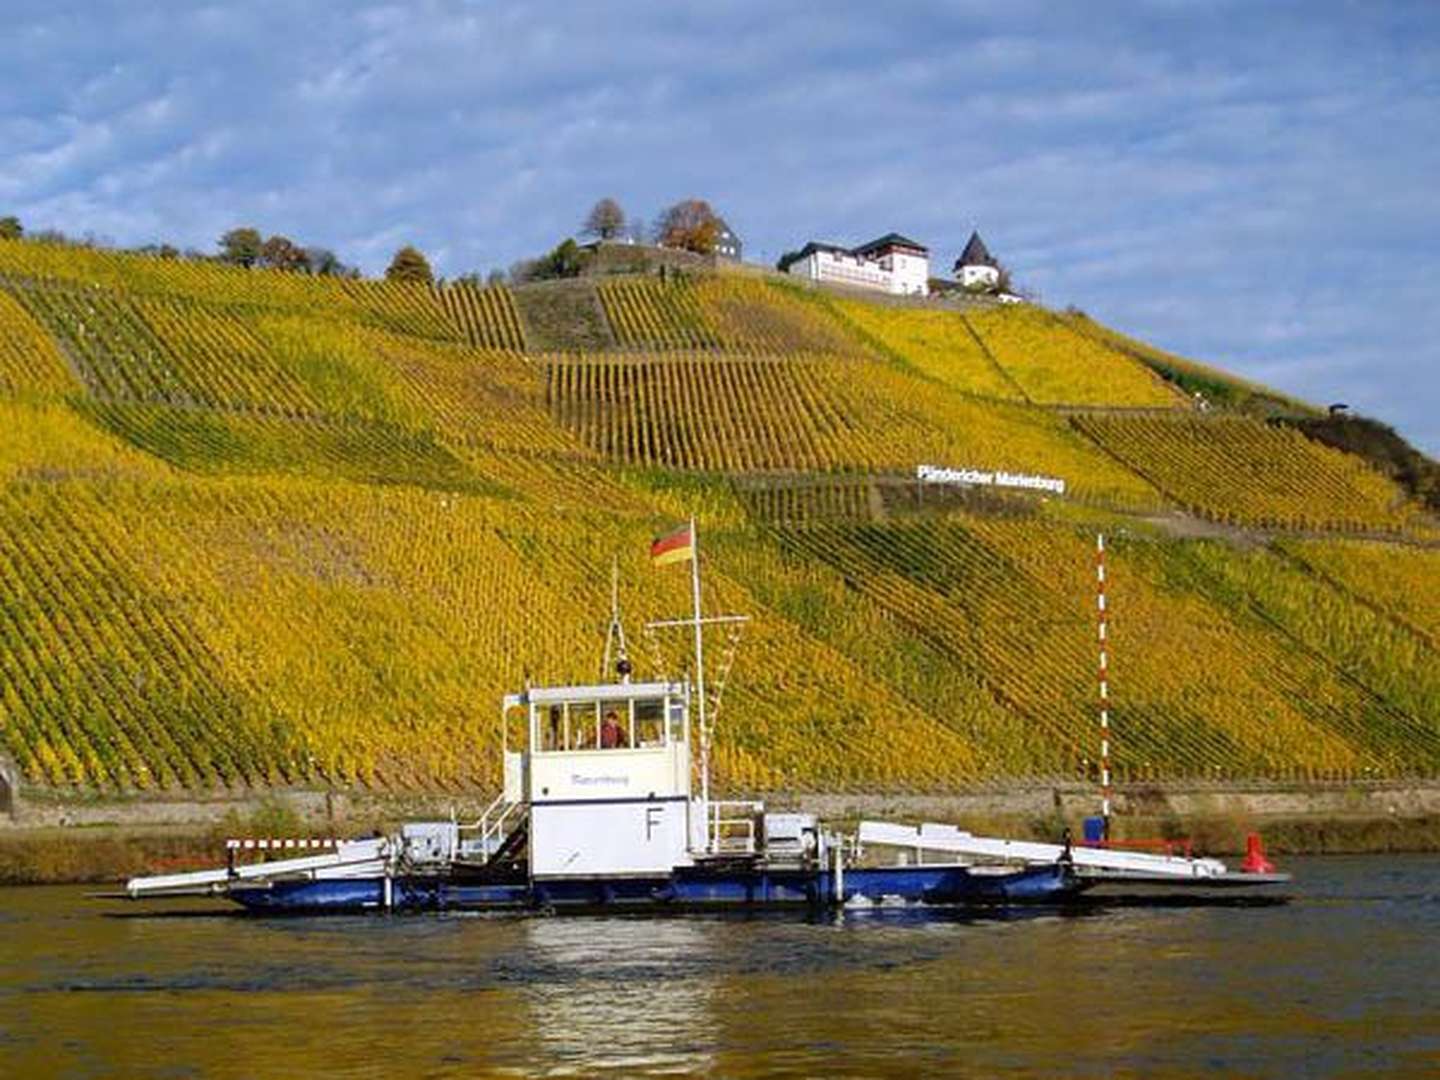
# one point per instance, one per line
(1092, 865)
(372, 857)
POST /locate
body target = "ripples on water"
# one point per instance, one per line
(1343, 980)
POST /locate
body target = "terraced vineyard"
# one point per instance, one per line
(945, 579)
(729, 313)
(1236, 469)
(29, 361)
(813, 413)
(486, 316)
(1054, 365)
(1398, 579)
(645, 313)
(461, 312)
(260, 528)
(940, 344)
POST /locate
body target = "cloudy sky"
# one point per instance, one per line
(1252, 184)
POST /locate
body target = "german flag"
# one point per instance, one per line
(678, 546)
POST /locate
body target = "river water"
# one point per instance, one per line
(1345, 980)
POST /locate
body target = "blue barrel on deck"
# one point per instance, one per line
(1094, 830)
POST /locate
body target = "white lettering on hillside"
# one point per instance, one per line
(935, 474)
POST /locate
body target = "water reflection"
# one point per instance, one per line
(624, 995)
(1341, 981)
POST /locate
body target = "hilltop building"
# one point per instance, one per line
(976, 267)
(892, 264)
(727, 243)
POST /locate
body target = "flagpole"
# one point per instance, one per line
(700, 682)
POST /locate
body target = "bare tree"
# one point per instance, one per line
(606, 220)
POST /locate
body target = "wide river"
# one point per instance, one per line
(1345, 980)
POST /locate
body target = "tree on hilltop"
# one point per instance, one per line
(568, 260)
(690, 225)
(241, 246)
(606, 220)
(282, 253)
(10, 228)
(410, 265)
(325, 263)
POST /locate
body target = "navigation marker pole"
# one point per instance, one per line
(1105, 789)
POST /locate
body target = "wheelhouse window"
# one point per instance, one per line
(649, 723)
(636, 723)
(584, 725)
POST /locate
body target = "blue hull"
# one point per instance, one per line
(682, 889)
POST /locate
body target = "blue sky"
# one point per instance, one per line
(1251, 184)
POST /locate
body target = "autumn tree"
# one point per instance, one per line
(282, 253)
(410, 265)
(606, 220)
(241, 246)
(690, 225)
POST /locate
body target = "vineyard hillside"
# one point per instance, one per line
(261, 529)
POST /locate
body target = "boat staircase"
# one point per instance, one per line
(498, 838)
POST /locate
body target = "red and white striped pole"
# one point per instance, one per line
(1105, 790)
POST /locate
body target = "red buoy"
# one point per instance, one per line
(1255, 860)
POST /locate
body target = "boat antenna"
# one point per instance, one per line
(615, 646)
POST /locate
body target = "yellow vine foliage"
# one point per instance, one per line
(939, 344)
(29, 361)
(1402, 579)
(458, 312)
(724, 312)
(1237, 469)
(814, 413)
(1054, 365)
(260, 528)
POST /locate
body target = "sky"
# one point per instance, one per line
(1251, 184)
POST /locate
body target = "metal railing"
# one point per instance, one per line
(491, 825)
(732, 827)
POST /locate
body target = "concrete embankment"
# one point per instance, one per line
(50, 835)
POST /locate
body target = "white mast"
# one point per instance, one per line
(700, 672)
(696, 622)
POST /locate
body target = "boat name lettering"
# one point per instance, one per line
(936, 474)
(620, 781)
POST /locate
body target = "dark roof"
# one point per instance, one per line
(976, 254)
(810, 249)
(722, 226)
(890, 240)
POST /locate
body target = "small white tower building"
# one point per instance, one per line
(976, 268)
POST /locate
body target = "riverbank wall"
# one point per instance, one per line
(49, 835)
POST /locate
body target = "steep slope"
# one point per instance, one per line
(259, 529)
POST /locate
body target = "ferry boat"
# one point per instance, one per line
(606, 804)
